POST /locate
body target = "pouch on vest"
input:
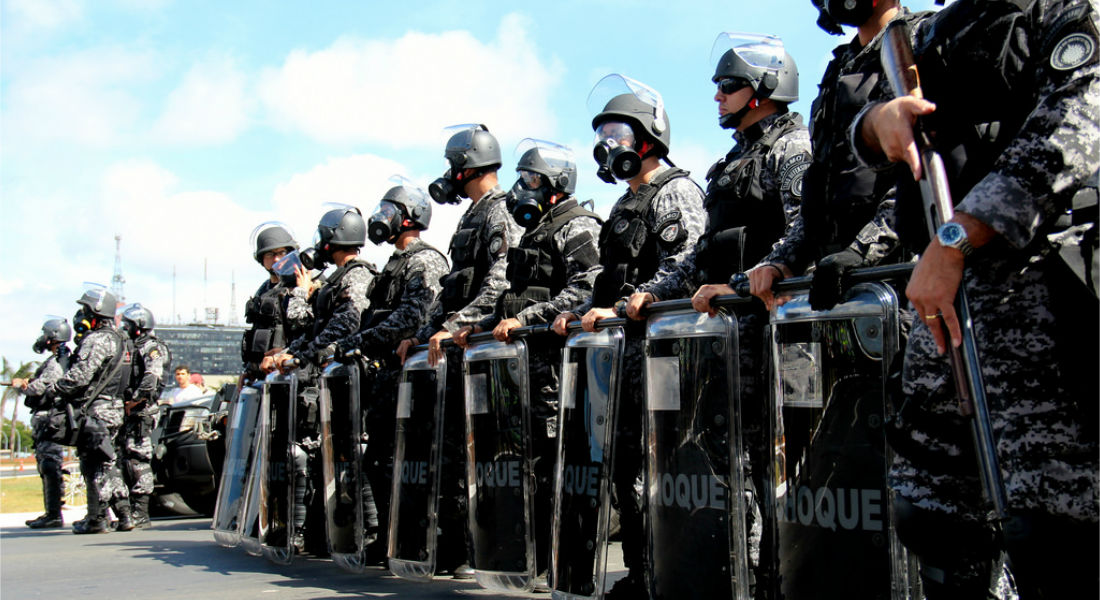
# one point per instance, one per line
(464, 245)
(457, 287)
(523, 264)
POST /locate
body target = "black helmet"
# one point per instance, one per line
(342, 225)
(402, 208)
(271, 235)
(97, 300)
(55, 329)
(469, 146)
(544, 168)
(759, 61)
(137, 319)
(834, 13)
(620, 98)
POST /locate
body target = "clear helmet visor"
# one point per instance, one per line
(530, 180)
(556, 156)
(415, 192)
(458, 139)
(760, 51)
(615, 85)
(286, 264)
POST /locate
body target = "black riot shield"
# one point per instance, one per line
(828, 513)
(694, 479)
(343, 443)
(499, 472)
(591, 367)
(239, 444)
(414, 503)
(277, 481)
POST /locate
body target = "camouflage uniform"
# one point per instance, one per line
(552, 269)
(753, 196)
(478, 251)
(1042, 406)
(677, 211)
(134, 440)
(845, 205)
(48, 455)
(103, 414)
(400, 301)
(266, 312)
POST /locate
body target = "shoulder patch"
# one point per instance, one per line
(670, 232)
(154, 353)
(791, 173)
(1073, 51)
(620, 225)
(668, 217)
(496, 243)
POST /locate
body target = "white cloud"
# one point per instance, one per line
(402, 92)
(209, 106)
(43, 14)
(83, 98)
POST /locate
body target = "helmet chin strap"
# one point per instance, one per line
(732, 120)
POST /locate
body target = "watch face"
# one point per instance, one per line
(951, 233)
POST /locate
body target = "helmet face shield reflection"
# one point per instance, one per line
(531, 181)
(614, 152)
(384, 223)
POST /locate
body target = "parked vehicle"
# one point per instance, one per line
(188, 451)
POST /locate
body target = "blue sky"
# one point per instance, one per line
(181, 126)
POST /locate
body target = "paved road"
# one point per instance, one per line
(178, 559)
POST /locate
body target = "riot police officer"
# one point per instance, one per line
(399, 306)
(847, 216)
(150, 375)
(96, 382)
(265, 311)
(337, 309)
(1016, 168)
(49, 455)
(551, 269)
(651, 228)
(478, 251)
(753, 194)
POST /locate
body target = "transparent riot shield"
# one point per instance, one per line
(499, 472)
(342, 445)
(232, 490)
(591, 367)
(414, 502)
(828, 513)
(250, 522)
(277, 468)
(694, 480)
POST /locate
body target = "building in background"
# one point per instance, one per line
(212, 350)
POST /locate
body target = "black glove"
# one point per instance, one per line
(829, 278)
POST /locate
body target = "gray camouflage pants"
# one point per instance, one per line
(99, 457)
(136, 450)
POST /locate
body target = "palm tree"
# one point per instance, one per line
(8, 373)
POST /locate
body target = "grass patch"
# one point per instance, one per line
(24, 495)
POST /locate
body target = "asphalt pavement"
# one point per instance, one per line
(178, 559)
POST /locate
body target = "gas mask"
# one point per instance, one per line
(531, 195)
(844, 12)
(40, 345)
(446, 189)
(82, 323)
(385, 224)
(614, 152)
(284, 267)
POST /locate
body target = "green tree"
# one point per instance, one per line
(26, 442)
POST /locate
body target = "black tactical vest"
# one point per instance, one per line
(327, 296)
(840, 196)
(470, 259)
(265, 311)
(114, 380)
(536, 269)
(389, 285)
(628, 245)
(974, 63)
(742, 224)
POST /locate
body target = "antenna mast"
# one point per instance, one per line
(117, 280)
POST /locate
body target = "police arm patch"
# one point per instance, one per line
(1072, 51)
(792, 172)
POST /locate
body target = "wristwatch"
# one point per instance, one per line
(953, 235)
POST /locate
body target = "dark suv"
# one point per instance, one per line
(188, 451)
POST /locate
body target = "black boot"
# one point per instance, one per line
(122, 511)
(95, 521)
(51, 491)
(139, 509)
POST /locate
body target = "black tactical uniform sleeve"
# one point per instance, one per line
(153, 360)
(351, 302)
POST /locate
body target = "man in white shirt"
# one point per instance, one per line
(187, 390)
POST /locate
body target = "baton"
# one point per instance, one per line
(901, 70)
